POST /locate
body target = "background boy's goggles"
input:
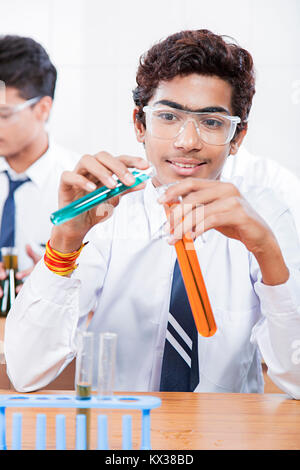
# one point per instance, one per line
(9, 114)
(168, 123)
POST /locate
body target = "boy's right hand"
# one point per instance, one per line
(90, 173)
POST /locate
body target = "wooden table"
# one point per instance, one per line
(187, 421)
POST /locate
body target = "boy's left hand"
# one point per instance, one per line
(209, 204)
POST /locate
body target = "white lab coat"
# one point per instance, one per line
(266, 173)
(125, 276)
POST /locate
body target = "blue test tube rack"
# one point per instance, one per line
(140, 402)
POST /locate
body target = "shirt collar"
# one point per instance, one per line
(38, 172)
(4, 167)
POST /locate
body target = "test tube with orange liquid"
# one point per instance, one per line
(194, 285)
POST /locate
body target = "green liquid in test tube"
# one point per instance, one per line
(98, 196)
(83, 377)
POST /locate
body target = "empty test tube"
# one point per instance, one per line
(106, 365)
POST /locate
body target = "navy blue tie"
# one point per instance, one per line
(7, 232)
(180, 367)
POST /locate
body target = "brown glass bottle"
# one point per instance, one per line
(8, 285)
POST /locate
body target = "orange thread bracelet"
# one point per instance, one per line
(61, 263)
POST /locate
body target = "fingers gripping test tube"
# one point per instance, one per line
(194, 284)
(98, 196)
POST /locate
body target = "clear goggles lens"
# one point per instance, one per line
(168, 123)
(9, 114)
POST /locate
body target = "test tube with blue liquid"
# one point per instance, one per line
(98, 196)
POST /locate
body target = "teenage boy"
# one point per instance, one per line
(193, 98)
(30, 163)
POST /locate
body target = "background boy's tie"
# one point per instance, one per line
(7, 231)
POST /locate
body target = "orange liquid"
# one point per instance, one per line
(194, 285)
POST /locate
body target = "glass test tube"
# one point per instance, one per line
(194, 282)
(98, 196)
(195, 287)
(84, 372)
(106, 366)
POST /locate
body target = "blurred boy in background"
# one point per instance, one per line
(30, 162)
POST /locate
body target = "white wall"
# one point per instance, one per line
(96, 44)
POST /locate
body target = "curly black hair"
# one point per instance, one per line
(197, 51)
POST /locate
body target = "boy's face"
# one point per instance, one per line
(193, 92)
(19, 131)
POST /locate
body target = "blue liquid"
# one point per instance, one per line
(94, 198)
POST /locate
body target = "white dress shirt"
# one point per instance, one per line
(36, 199)
(264, 172)
(125, 276)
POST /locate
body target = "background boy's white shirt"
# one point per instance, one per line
(36, 199)
(125, 275)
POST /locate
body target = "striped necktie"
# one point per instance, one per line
(180, 368)
(7, 231)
